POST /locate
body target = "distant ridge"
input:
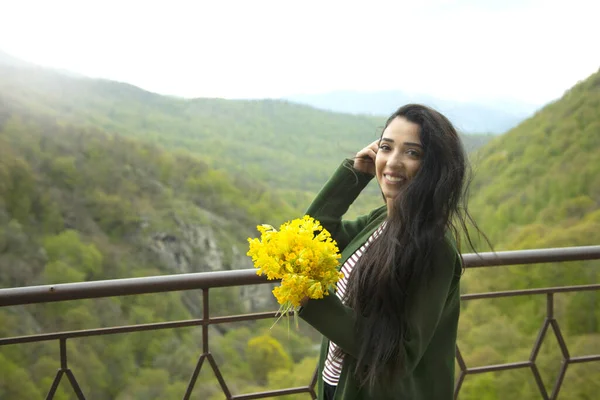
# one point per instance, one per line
(7, 59)
(12, 61)
(469, 117)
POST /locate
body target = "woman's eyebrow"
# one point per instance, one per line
(405, 143)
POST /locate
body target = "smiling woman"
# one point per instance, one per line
(390, 328)
(398, 156)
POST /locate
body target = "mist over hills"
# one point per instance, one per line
(485, 116)
(7, 59)
(470, 117)
(12, 61)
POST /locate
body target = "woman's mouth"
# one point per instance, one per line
(394, 179)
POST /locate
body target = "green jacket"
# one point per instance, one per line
(431, 344)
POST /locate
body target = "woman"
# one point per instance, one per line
(390, 329)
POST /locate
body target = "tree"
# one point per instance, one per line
(265, 354)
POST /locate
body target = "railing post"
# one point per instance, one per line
(205, 320)
(64, 369)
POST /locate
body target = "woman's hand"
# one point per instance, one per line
(365, 159)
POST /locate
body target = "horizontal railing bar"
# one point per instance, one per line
(204, 280)
(256, 316)
(536, 256)
(242, 317)
(265, 315)
(583, 359)
(271, 393)
(526, 292)
(134, 328)
(499, 367)
(128, 286)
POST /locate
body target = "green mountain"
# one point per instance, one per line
(537, 186)
(540, 182)
(266, 138)
(79, 204)
(291, 147)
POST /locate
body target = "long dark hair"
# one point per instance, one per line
(432, 203)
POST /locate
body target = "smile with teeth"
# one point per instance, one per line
(393, 179)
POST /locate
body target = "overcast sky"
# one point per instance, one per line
(527, 50)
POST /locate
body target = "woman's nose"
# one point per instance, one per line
(395, 159)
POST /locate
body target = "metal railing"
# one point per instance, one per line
(208, 280)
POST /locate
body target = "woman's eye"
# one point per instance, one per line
(384, 147)
(413, 153)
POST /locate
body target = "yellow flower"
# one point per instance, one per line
(302, 255)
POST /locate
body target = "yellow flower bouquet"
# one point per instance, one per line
(302, 254)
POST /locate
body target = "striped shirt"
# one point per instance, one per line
(333, 364)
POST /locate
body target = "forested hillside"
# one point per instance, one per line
(542, 178)
(102, 180)
(292, 147)
(80, 204)
(538, 186)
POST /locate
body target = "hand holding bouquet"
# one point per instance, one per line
(301, 254)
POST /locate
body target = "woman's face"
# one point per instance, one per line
(399, 157)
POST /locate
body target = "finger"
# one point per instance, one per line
(363, 153)
(374, 146)
(367, 154)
